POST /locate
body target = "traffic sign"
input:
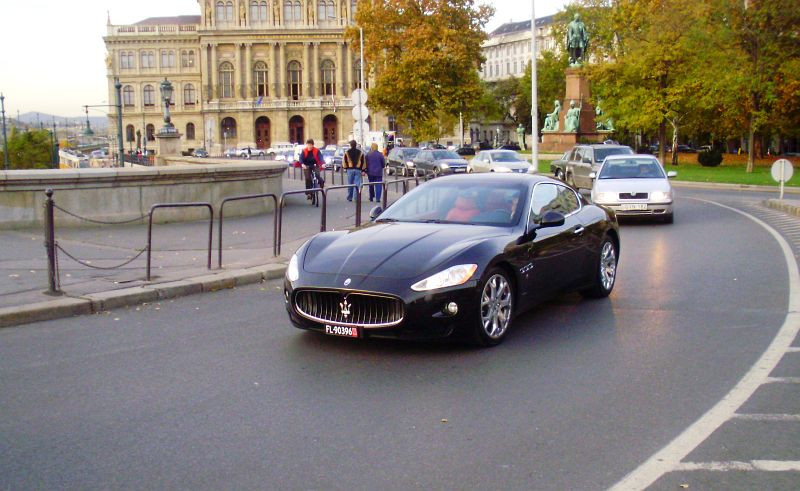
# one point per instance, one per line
(782, 171)
(360, 113)
(359, 96)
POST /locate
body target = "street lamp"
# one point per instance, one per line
(5, 138)
(534, 95)
(120, 144)
(166, 96)
(88, 131)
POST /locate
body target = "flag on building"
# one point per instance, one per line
(333, 98)
(259, 101)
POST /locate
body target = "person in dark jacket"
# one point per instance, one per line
(355, 164)
(375, 164)
(312, 163)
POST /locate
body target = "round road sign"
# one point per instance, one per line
(782, 165)
(359, 96)
(360, 113)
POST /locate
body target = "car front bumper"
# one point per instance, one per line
(424, 314)
(650, 209)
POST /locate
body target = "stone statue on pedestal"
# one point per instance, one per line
(607, 125)
(572, 121)
(577, 40)
(551, 122)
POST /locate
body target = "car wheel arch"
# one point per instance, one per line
(513, 276)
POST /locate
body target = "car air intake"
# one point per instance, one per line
(349, 309)
(632, 195)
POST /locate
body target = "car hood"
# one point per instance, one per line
(451, 162)
(512, 165)
(392, 250)
(631, 185)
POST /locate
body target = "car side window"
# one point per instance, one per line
(589, 154)
(541, 201)
(577, 156)
(567, 200)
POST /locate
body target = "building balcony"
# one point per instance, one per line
(277, 104)
(153, 30)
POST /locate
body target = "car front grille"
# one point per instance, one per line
(633, 195)
(349, 309)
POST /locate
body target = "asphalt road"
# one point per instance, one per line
(219, 391)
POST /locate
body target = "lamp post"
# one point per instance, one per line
(88, 131)
(166, 97)
(120, 144)
(5, 138)
(55, 146)
(534, 95)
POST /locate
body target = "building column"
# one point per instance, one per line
(348, 75)
(274, 76)
(205, 83)
(283, 83)
(237, 71)
(306, 71)
(213, 71)
(248, 71)
(339, 72)
(315, 74)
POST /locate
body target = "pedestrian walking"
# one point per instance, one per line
(355, 164)
(249, 153)
(375, 164)
(312, 162)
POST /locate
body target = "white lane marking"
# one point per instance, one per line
(767, 417)
(782, 380)
(666, 459)
(793, 349)
(753, 465)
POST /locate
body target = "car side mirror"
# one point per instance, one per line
(552, 219)
(593, 175)
(671, 174)
(374, 213)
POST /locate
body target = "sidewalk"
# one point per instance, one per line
(790, 206)
(179, 259)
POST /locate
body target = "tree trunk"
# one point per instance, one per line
(662, 137)
(751, 142)
(674, 141)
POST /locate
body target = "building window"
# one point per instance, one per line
(228, 129)
(258, 12)
(190, 131)
(187, 59)
(148, 59)
(149, 96)
(326, 10)
(261, 79)
(353, 7)
(167, 59)
(127, 60)
(130, 133)
(292, 11)
(295, 75)
(515, 67)
(328, 78)
(128, 98)
(357, 76)
(226, 80)
(151, 132)
(225, 12)
(189, 95)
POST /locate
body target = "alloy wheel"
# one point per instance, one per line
(496, 306)
(608, 265)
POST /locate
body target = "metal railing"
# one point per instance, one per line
(179, 205)
(357, 189)
(241, 198)
(279, 220)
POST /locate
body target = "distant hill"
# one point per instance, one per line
(31, 118)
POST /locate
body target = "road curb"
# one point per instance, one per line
(103, 301)
(734, 187)
(792, 207)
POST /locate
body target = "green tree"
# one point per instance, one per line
(424, 56)
(29, 149)
(550, 86)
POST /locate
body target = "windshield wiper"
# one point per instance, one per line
(386, 220)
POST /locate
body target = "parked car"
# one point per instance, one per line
(200, 153)
(499, 161)
(465, 150)
(338, 158)
(279, 147)
(327, 158)
(634, 185)
(432, 146)
(458, 257)
(685, 149)
(244, 152)
(401, 161)
(585, 159)
(558, 165)
(438, 162)
(510, 146)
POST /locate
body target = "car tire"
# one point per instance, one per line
(669, 218)
(469, 170)
(570, 181)
(404, 172)
(495, 308)
(604, 270)
(436, 172)
(560, 175)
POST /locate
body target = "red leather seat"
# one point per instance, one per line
(464, 209)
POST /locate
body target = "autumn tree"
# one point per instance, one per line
(424, 56)
(29, 149)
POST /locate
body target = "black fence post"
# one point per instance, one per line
(50, 244)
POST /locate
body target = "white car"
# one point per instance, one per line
(243, 153)
(634, 185)
(280, 147)
(500, 161)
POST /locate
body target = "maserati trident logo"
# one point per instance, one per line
(344, 307)
(347, 282)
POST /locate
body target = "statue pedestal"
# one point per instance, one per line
(560, 141)
(169, 144)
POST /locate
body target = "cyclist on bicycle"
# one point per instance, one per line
(312, 163)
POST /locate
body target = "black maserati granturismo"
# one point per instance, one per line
(459, 256)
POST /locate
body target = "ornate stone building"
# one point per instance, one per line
(245, 73)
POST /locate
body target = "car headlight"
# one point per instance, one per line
(605, 197)
(444, 166)
(452, 276)
(660, 196)
(328, 160)
(500, 168)
(293, 271)
(409, 164)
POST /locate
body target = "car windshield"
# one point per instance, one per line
(601, 153)
(634, 168)
(507, 157)
(327, 153)
(454, 202)
(445, 154)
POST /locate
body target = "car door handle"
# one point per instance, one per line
(579, 229)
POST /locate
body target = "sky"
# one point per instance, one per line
(52, 51)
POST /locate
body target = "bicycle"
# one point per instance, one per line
(315, 180)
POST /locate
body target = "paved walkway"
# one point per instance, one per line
(180, 250)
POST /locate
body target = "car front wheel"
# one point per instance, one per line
(560, 175)
(605, 271)
(496, 308)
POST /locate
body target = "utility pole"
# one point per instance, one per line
(534, 95)
(5, 137)
(363, 88)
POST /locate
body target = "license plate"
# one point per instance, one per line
(348, 332)
(459, 170)
(634, 207)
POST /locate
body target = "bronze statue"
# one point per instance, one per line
(572, 121)
(551, 122)
(577, 40)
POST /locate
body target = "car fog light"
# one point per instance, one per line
(452, 308)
